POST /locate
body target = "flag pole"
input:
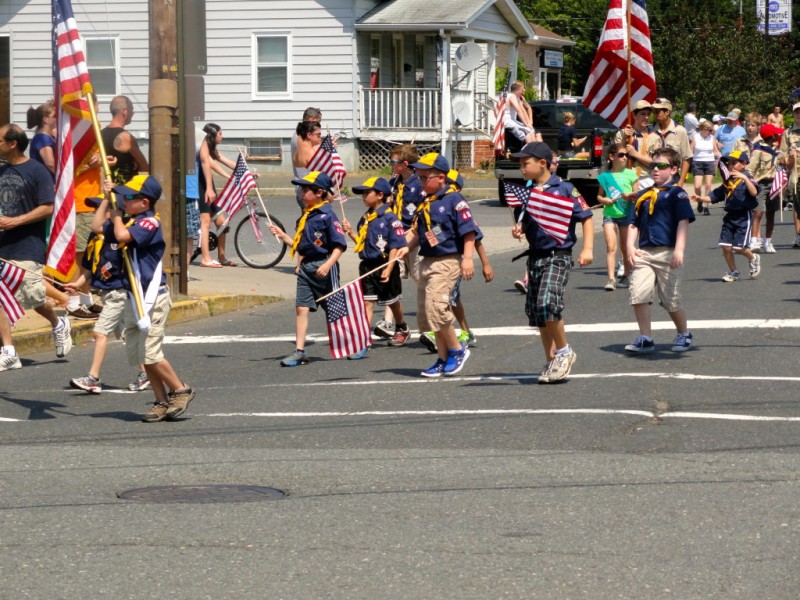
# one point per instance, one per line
(338, 188)
(376, 269)
(42, 275)
(628, 80)
(135, 288)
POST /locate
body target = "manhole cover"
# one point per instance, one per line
(199, 494)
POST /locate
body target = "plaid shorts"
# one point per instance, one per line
(192, 218)
(547, 281)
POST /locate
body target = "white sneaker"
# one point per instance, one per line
(755, 266)
(560, 367)
(731, 276)
(769, 248)
(756, 245)
(8, 362)
(62, 338)
(620, 270)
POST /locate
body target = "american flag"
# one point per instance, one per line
(241, 181)
(516, 195)
(606, 91)
(778, 183)
(10, 279)
(327, 160)
(500, 109)
(348, 328)
(552, 213)
(723, 169)
(71, 84)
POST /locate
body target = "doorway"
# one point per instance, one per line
(5, 80)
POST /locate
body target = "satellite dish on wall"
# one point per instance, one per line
(469, 56)
(462, 114)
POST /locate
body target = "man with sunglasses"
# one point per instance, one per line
(660, 221)
(668, 134)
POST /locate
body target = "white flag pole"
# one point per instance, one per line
(383, 266)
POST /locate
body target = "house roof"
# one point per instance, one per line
(449, 15)
(544, 35)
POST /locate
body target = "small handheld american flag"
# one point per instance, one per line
(232, 196)
(11, 277)
(327, 160)
(348, 328)
(778, 183)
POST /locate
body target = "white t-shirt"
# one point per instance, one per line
(703, 149)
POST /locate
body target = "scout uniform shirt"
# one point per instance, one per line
(744, 144)
(384, 233)
(735, 195)
(763, 162)
(322, 233)
(148, 241)
(674, 137)
(442, 221)
(639, 142)
(791, 139)
(538, 239)
(406, 197)
(657, 219)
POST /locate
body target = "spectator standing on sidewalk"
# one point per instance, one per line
(26, 200)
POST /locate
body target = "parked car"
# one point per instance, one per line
(580, 167)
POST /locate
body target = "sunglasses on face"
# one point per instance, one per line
(621, 155)
(396, 162)
(659, 165)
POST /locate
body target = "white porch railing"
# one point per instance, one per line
(416, 109)
(400, 108)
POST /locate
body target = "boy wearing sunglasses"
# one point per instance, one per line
(660, 221)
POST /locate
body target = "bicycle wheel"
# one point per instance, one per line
(255, 245)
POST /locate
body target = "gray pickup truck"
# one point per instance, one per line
(580, 167)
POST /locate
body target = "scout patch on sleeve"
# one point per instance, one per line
(149, 223)
(462, 205)
(338, 227)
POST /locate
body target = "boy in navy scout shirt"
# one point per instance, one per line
(144, 240)
(445, 232)
(660, 220)
(550, 261)
(379, 237)
(319, 242)
(406, 196)
(740, 194)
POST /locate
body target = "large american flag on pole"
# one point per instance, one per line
(348, 328)
(241, 181)
(606, 91)
(552, 213)
(71, 84)
(10, 279)
(327, 160)
(778, 183)
(500, 109)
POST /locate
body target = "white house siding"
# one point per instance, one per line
(28, 23)
(321, 63)
(491, 25)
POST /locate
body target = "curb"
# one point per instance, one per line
(39, 340)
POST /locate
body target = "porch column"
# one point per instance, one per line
(491, 49)
(447, 109)
(513, 57)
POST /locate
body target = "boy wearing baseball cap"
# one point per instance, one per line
(445, 232)
(739, 192)
(143, 276)
(764, 161)
(319, 242)
(550, 255)
(379, 238)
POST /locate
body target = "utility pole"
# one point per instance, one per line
(163, 110)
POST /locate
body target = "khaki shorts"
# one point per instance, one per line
(438, 277)
(83, 229)
(145, 347)
(652, 272)
(409, 266)
(110, 319)
(31, 292)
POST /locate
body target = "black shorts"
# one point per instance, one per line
(736, 230)
(204, 207)
(377, 291)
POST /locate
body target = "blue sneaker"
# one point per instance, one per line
(359, 355)
(435, 371)
(641, 344)
(295, 359)
(684, 341)
(455, 361)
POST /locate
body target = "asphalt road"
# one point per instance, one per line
(658, 476)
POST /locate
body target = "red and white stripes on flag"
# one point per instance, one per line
(515, 194)
(348, 328)
(499, 136)
(552, 213)
(327, 160)
(71, 84)
(11, 277)
(780, 181)
(241, 181)
(606, 91)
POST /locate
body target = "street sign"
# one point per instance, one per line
(780, 16)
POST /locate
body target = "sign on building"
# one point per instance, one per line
(553, 58)
(780, 16)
